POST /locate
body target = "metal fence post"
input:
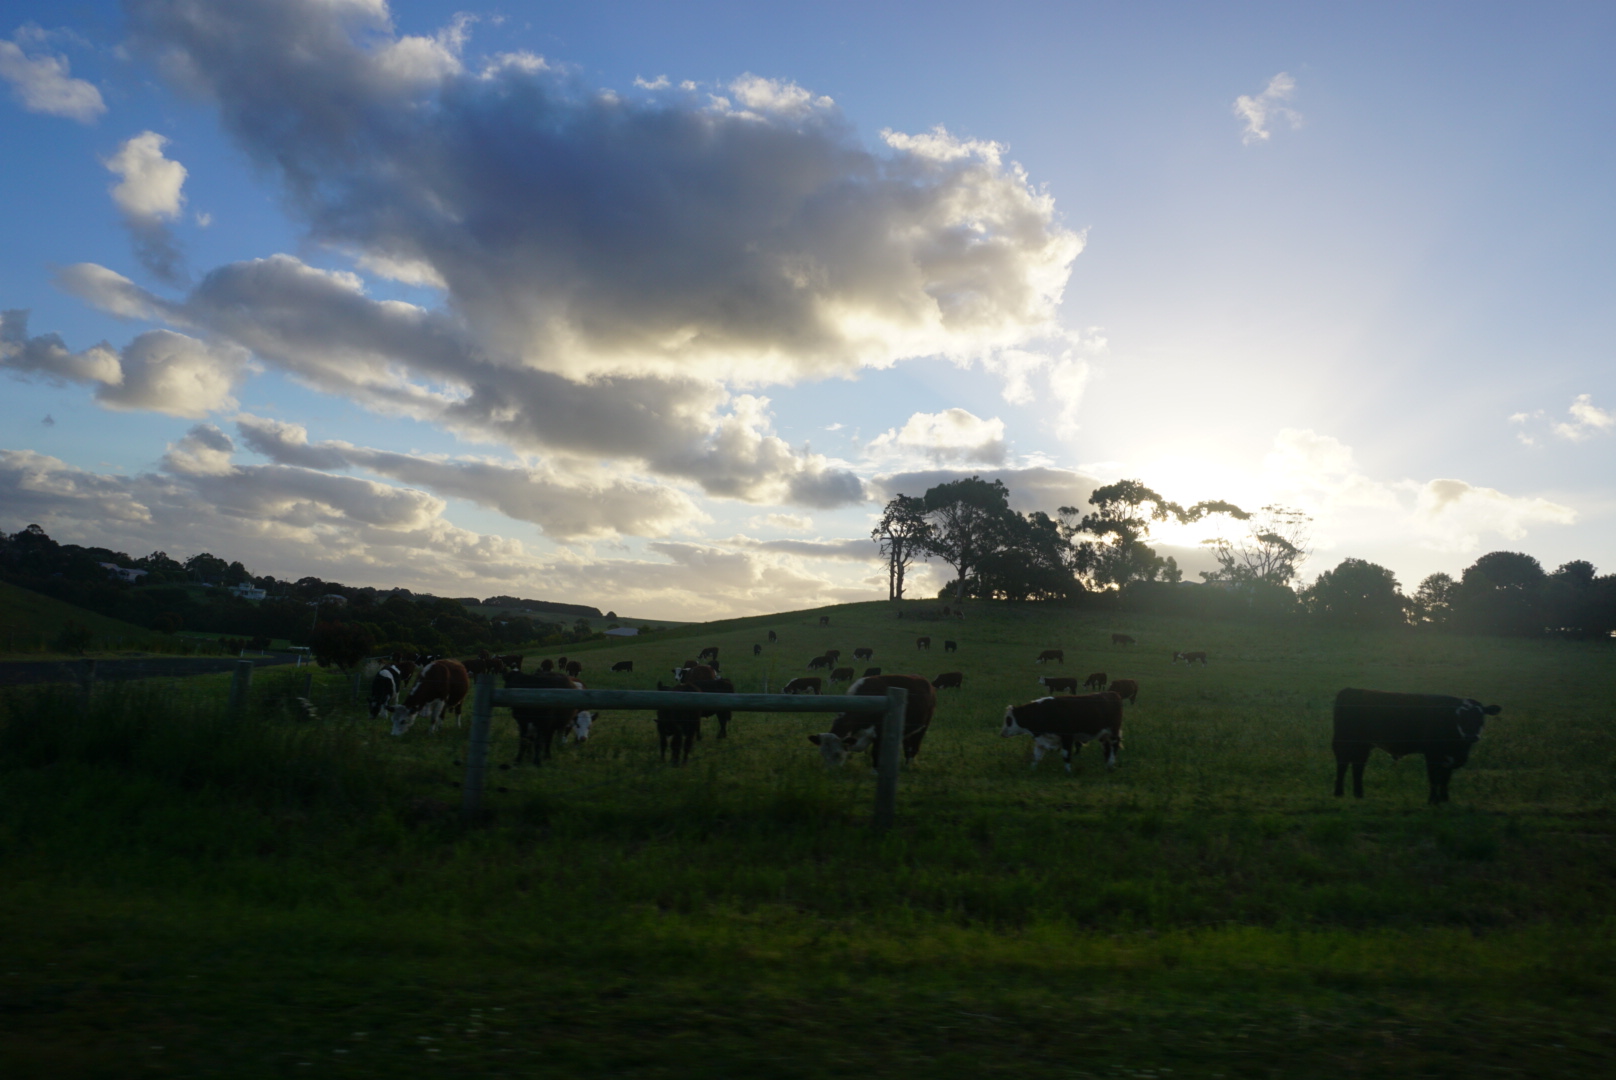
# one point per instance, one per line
(240, 683)
(482, 719)
(886, 781)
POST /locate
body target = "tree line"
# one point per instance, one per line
(1100, 555)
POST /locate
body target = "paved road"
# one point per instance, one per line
(23, 672)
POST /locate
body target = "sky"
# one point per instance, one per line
(653, 306)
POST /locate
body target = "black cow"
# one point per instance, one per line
(538, 725)
(757, 650)
(1068, 722)
(1442, 728)
(623, 665)
(683, 727)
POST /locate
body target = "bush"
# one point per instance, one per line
(74, 638)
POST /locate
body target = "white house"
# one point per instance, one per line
(246, 591)
(123, 573)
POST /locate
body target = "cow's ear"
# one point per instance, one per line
(1493, 710)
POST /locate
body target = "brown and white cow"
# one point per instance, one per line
(863, 654)
(1066, 723)
(1126, 689)
(950, 646)
(858, 731)
(1057, 655)
(709, 653)
(803, 685)
(923, 643)
(623, 665)
(1056, 684)
(512, 661)
(949, 680)
(1122, 639)
(538, 725)
(1095, 681)
(842, 674)
(1190, 657)
(819, 662)
(442, 688)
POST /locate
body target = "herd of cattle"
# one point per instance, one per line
(1442, 729)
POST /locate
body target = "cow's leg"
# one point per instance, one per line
(1438, 773)
(524, 742)
(1340, 773)
(1069, 747)
(1357, 778)
(723, 724)
(663, 731)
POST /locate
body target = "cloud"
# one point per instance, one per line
(1266, 108)
(954, 435)
(790, 522)
(150, 195)
(1036, 488)
(159, 370)
(43, 85)
(861, 549)
(1586, 419)
(1452, 515)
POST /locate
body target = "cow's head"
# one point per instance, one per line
(1011, 728)
(581, 725)
(402, 715)
(833, 749)
(1472, 714)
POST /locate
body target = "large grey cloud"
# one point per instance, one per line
(1032, 488)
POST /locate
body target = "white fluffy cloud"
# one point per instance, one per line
(43, 84)
(1258, 112)
(1586, 419)
(150, 194)
(1451, 515)
(954, 435)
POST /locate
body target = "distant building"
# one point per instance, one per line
(623, 631)
(246, 592)
(123, 573)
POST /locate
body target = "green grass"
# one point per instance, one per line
(29, 621)
(249, 892)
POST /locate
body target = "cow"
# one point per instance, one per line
(824, 620)
(1126, 689)
(842, 674)
(833, 655)
(950, 646)
(923, 643)
(803, 685)
(1057, 683)
(709, 653)
(1068, 723)
(385, 687)
(819, 662)
(1057, 655)
(538, 725)
(1440, 727)
(772, 637)
(856, 731)
(949, 680)
(546, 665)
(682, 727)
(1190, 657)
(483, 665)
(757, 650)
(870, 673)
(574, 668)
(512, 661)
(1122, 639)
(443, 686)
(1095, 681)
(863, 654)
(694, 673)
(623, 665)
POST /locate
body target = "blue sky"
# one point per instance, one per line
(651, 306)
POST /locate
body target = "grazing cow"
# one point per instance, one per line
(385, 688)
(757, 650)
(833, 655)
(1068, 723)
(694, 673)
(538, 725)
(1440, 727)
(546, 665)
(856, 731)
(842, 674)
(819, 662)
(1126, 689)
(623, 665)
(1122, 639)
(772, 637)
(1057, 655)
(870, 672)
(923, 643)
(1057, 683)
(1190, 657)
(709, 653)
(1095, 681)
(443, 686)
(863, 654)
(949, 680)
(803, 685)
(950, 646)
(824, 620)
(512, 661)
(483, 665)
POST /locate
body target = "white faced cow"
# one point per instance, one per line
(1066, 723)
(442, 688)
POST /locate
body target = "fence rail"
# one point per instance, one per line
(488, 697)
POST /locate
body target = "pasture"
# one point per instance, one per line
(190, 894)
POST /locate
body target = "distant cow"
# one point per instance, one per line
(443, 687)
(709, 653)
(1057, 655)
(512, 661)
(623, 665)
(923, 643)
(757, 650)
(1190, 657)
(863, 654)
(833, 655)
(1096, 681)
(949, 680)
(385, 688)
(546, 665)
(824, 620)
(842, 674)
(1122, 639)
(1056, 684)
(1440, 727)
(772, 637)
(574, 668)
(538, 725)
(951, 646)
(1126, 689)
(1068, 723)
(680, 728)
(856, 731)
(694, 673)
(870, 673)
(803, 685)
(819, 662)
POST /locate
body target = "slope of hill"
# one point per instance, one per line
(29, 621)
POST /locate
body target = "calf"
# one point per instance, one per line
(1095, 681)
(757, 650)
(951, 646)
(802, 685)
(772, 637)
(863, 654)
(1057, 683)
(824, 620)
(1122, 639)
(1057, 655)
(1126, 689)
(709, 653)
(819, 662)
(1190, 657)
(385, 688)
(856, 731)
(1440, 727)
(538, 725)
(923, 643)
(842, 674)
(443, 686)
(623, 665)
(1068, 723)
(949, 680)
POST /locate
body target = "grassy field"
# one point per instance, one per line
(29, 621)
(190, 894)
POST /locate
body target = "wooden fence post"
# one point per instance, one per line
(482, 720)
(240, 683)
(308, 687)
(886, 781)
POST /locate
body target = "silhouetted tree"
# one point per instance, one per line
(968, 521)
(343, 644)
(1272, 551)
(1109, 547)
(1357, 593)
(1433, 601)
(901, 535)
(1501, 593)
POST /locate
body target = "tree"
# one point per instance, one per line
(1032, 564)
(1433, 601)
(1501, 593)
(1108, 543)
(902, 535)
(206, 567)
(343, 644)
(968, 521)
(1272, 551)
(1357, 593)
